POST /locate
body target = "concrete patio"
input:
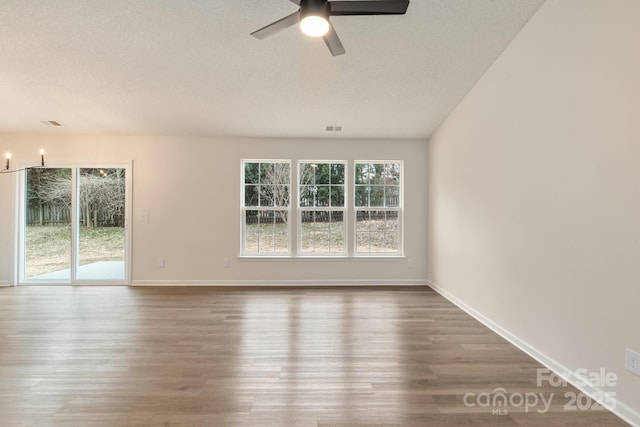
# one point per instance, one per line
(101, 270)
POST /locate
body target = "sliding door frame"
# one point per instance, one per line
(20, 257)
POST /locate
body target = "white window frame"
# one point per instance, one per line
(244, 209)
(344, 209)
(398, 209)
(350, 212)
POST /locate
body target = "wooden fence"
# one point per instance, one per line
(52, 214)
(264, 217)
(268, 217)
(48, 215)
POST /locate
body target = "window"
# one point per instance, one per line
(377, 207)
(321, 225)
(266, 207)
(329, 218)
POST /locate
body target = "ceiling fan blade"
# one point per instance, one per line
(333, 42)
(277, 26)
(369, 7)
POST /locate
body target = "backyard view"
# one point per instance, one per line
(372, 234)
(100, 219)
(96, 244)
(322, 213)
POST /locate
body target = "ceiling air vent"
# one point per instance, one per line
(333, 128)
(51, 123)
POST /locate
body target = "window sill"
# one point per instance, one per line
(340, 258)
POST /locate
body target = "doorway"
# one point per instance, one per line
(74, 226)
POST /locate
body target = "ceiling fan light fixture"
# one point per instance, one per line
(314, 26)
(314, 17)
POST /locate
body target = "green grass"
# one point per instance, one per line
(322, 237)
(48, 248)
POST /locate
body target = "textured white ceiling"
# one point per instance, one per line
(190, 67)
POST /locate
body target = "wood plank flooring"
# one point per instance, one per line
(317, 357)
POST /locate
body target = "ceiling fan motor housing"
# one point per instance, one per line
(315, 8)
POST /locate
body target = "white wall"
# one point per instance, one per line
(190, 188)
(7, 228)
(535, 191)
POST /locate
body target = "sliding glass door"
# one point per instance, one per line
(47, 228)
(75, 225)
(100, 224)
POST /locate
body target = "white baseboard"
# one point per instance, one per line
(5, 283)
(279, 283)
(622, 410)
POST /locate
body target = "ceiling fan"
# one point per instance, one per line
(313, 17)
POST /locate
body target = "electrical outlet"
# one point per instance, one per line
(227, 264)
(410, 263)
(144, 217)
(632, 361)
(160, 262)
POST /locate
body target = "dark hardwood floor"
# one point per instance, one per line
(352, 356)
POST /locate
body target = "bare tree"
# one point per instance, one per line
(275, 184)
(51, 189)
(102, 193)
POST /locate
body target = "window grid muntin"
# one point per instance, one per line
(380, 225)
(266, 213)
(335, 184)
(335, 232)
(389, 181)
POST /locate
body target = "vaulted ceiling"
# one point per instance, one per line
(190, 67)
